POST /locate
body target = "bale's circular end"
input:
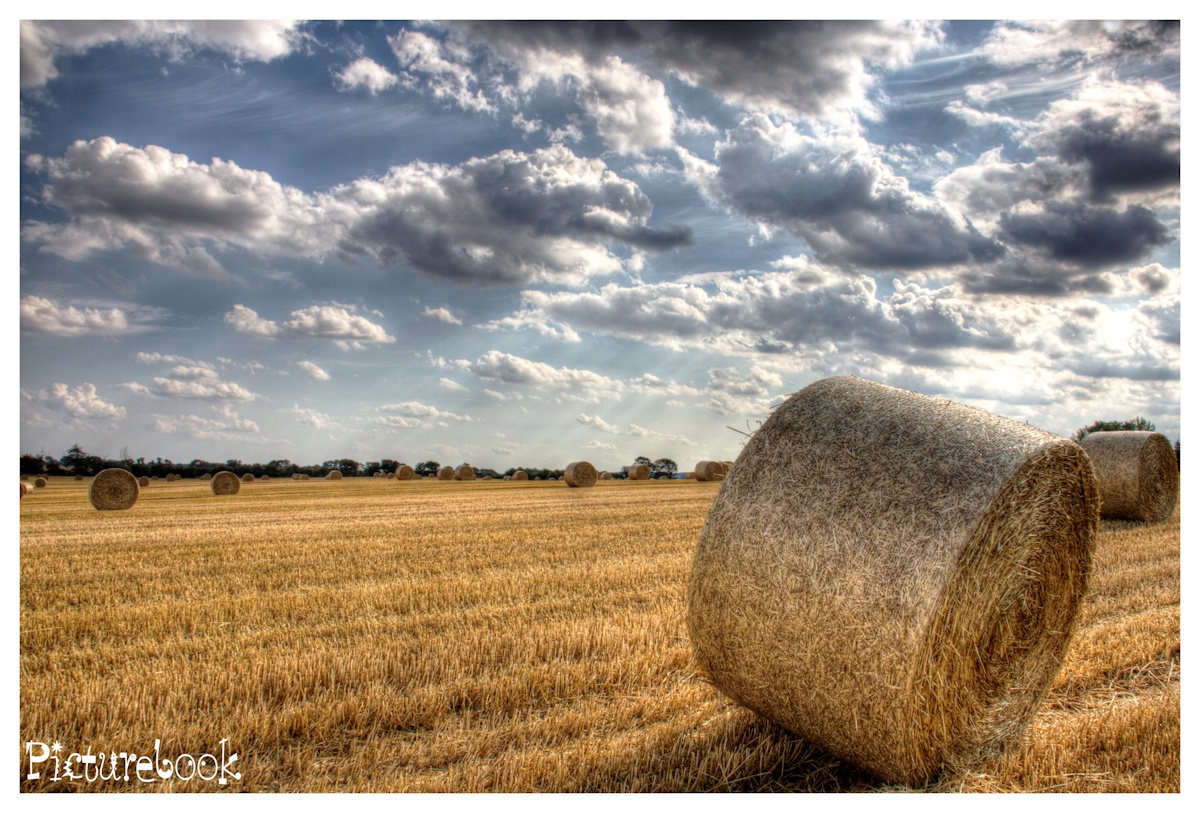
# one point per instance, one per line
(39, 482)
(247, 478)
(207, 476)
(333, 475)
(520, 475)
(464, 472)
(113, 490)
(710, 470)
(639, 471)
(581, 475)
(1138, 474)
(405, 472)
(143, 481)
(225, 483)
(24, 490)
(445, 473)
(893, 577)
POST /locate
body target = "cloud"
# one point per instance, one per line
(452, 385)
(333, 322)
(1080, 42)
(312, 417)
(367, 74)
(77, 402)
(443, 315)
(245, 320)
(43, 42)
(511, 217)
(439, 67)
(313, 371)
(192, 381)
(231, 428)
(1087, 237)
(41, 315)
(630, 430)
(510, 369)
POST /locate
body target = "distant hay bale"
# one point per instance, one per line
(520, 475)
(78, 477)
(1138, 474)
(334, 475)
(266, 477)
(207, 476)
(247, 478)
(113, 490)
(581, 475)
(225, 483)
(639, 471)
(307, 477)
(445, 473)
(691, 475)
(39, 482)
(377, 474)
(24, 489)
(405, 473)
(391, 475)
(508, 477)
(464, 472)
(892, 577)
(707, 470)
(606, 475)
(728, 464)
(143, 481)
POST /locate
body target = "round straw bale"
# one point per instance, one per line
(581, 475)
(605, 475)
(24, 489)
(78, 477)
(464, 472)
(113, 490)
(405, 473)
(1139, 478)
(391, 475)
(445, 473)
(307, 477)
(247, 478)
(266, 477)
(334, 475)
(639, 471)
(207, 476)
(520, 474)
(893, 577)
(377, 474)
(728, 464)
(143, 481)
(710, 470)
(225, 483)
(39, 482)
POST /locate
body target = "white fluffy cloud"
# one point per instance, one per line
(41, 315)
(81, 401)
(498, 366)
(192, 381)
(333, 322)
(442, 315)
(367, 74)
(313, 371)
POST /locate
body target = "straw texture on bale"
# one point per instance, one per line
(710, 470)
(520, 475)
(892, 577)
(225, 483)
(1138, 474)
(113, 490)
(581, 475)
(333, 475)
(445, 473)
(639, 471)
(464, 472)
(405, 473)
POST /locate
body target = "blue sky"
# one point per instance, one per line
(526, 244)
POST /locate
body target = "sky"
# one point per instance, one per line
(508, 244)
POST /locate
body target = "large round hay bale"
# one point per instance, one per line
(225, 483)
(581, 475)
(520, 474)
(464, 472)
(247, 478)
(333, 475)
(445, 473)
(893, 577)
(1139, 478)
(405, 473)
(638, 471)
(710, 470)
(113, 490)
(40, 482)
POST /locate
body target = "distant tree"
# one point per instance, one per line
(1136, 425)
(664, 467)
(645, 461)
(1177, 464)
(77, 461)
(348, 467)
(427, 467)
(388, 466)
(32, 464)
(371, 467)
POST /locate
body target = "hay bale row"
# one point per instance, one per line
(113, 490)
(1138, 474)
(707, 470)
(225, 483)
(464, 472)
(892, 577)
(581, 475)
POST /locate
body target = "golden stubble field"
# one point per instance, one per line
(375, 635)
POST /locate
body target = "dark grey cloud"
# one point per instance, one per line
(1087, 237)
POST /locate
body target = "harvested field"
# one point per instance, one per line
(411, 638)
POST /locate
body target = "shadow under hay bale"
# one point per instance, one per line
(893, 577)
(1138, 475)
(225, 484)
(581, 475)
(113, 490)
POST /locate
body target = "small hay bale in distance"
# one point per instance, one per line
(405, 472)
(581, 475)
(24, 489)
(207, 476)
(445, 473)
(892, 577)
(247, 478)
(639, 471)
(520, 474)
(143, 481)
(606, 475)
(225, 484)
(1138, 474)
(333, 475)
(464, 472)
(113, 490)
(78, 477)
(40, 482)
(707, 470)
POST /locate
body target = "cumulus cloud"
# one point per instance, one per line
(498, 366)
(41, 315)
(367, 74)
(442, 315)
(439, 66)
(1080, 42)
(246, 320)
(632, 430)
(333, 322)
(81, 401)
(312, 417)
(313, 371)
(423, 412)
(192, 381)
(228, 427)
(44, 41)
(511, 217)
